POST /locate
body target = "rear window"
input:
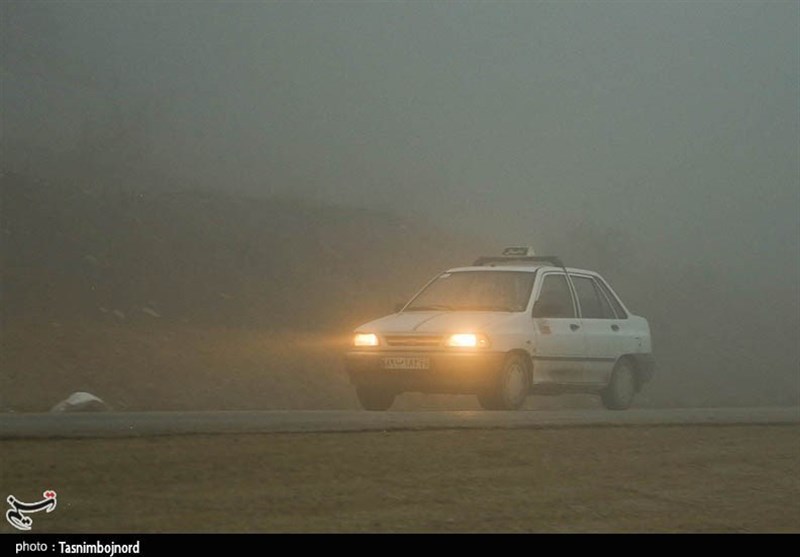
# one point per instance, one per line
(594, 304)
(618, 309)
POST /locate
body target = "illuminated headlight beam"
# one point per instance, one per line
(467, 340)
(365, 339)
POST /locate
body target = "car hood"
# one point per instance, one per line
(411, 322)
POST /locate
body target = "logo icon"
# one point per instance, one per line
(17, 514)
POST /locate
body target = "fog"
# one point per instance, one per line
(656, 142)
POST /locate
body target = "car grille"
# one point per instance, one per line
(413, 340)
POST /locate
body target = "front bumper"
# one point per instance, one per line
(465, 372)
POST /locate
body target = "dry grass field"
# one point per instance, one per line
(633, 479)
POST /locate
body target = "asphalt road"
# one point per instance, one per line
(130, 424)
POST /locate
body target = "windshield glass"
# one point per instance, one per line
(476, 291)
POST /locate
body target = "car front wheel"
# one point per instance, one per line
(510, 387)
(619, 393)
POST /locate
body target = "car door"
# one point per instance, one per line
(559, 340)
(630, 331)
(602, 330)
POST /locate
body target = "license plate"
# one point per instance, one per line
(406, 363)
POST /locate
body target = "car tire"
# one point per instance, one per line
(619, 393)
(374, 398)
(510, 387)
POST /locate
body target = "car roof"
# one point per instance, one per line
(519, 268)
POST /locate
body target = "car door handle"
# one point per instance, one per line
(615, 327)
(574, 327)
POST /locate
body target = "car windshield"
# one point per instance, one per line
(476, 291)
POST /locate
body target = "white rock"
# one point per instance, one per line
(80, 402)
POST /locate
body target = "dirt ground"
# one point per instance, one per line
(599, 479)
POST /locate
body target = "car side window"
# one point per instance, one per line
(555, 299)
(618, 309)
(593, 303)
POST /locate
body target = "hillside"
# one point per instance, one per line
(209, 258)
(194, 300)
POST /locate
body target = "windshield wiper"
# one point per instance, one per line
(432, 307)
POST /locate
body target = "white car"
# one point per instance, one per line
(502, 329)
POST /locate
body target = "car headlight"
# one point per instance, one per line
(467, 340)
(365, 339)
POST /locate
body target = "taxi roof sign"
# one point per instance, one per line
(518, 251)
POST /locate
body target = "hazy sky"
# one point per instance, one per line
(675, 121)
